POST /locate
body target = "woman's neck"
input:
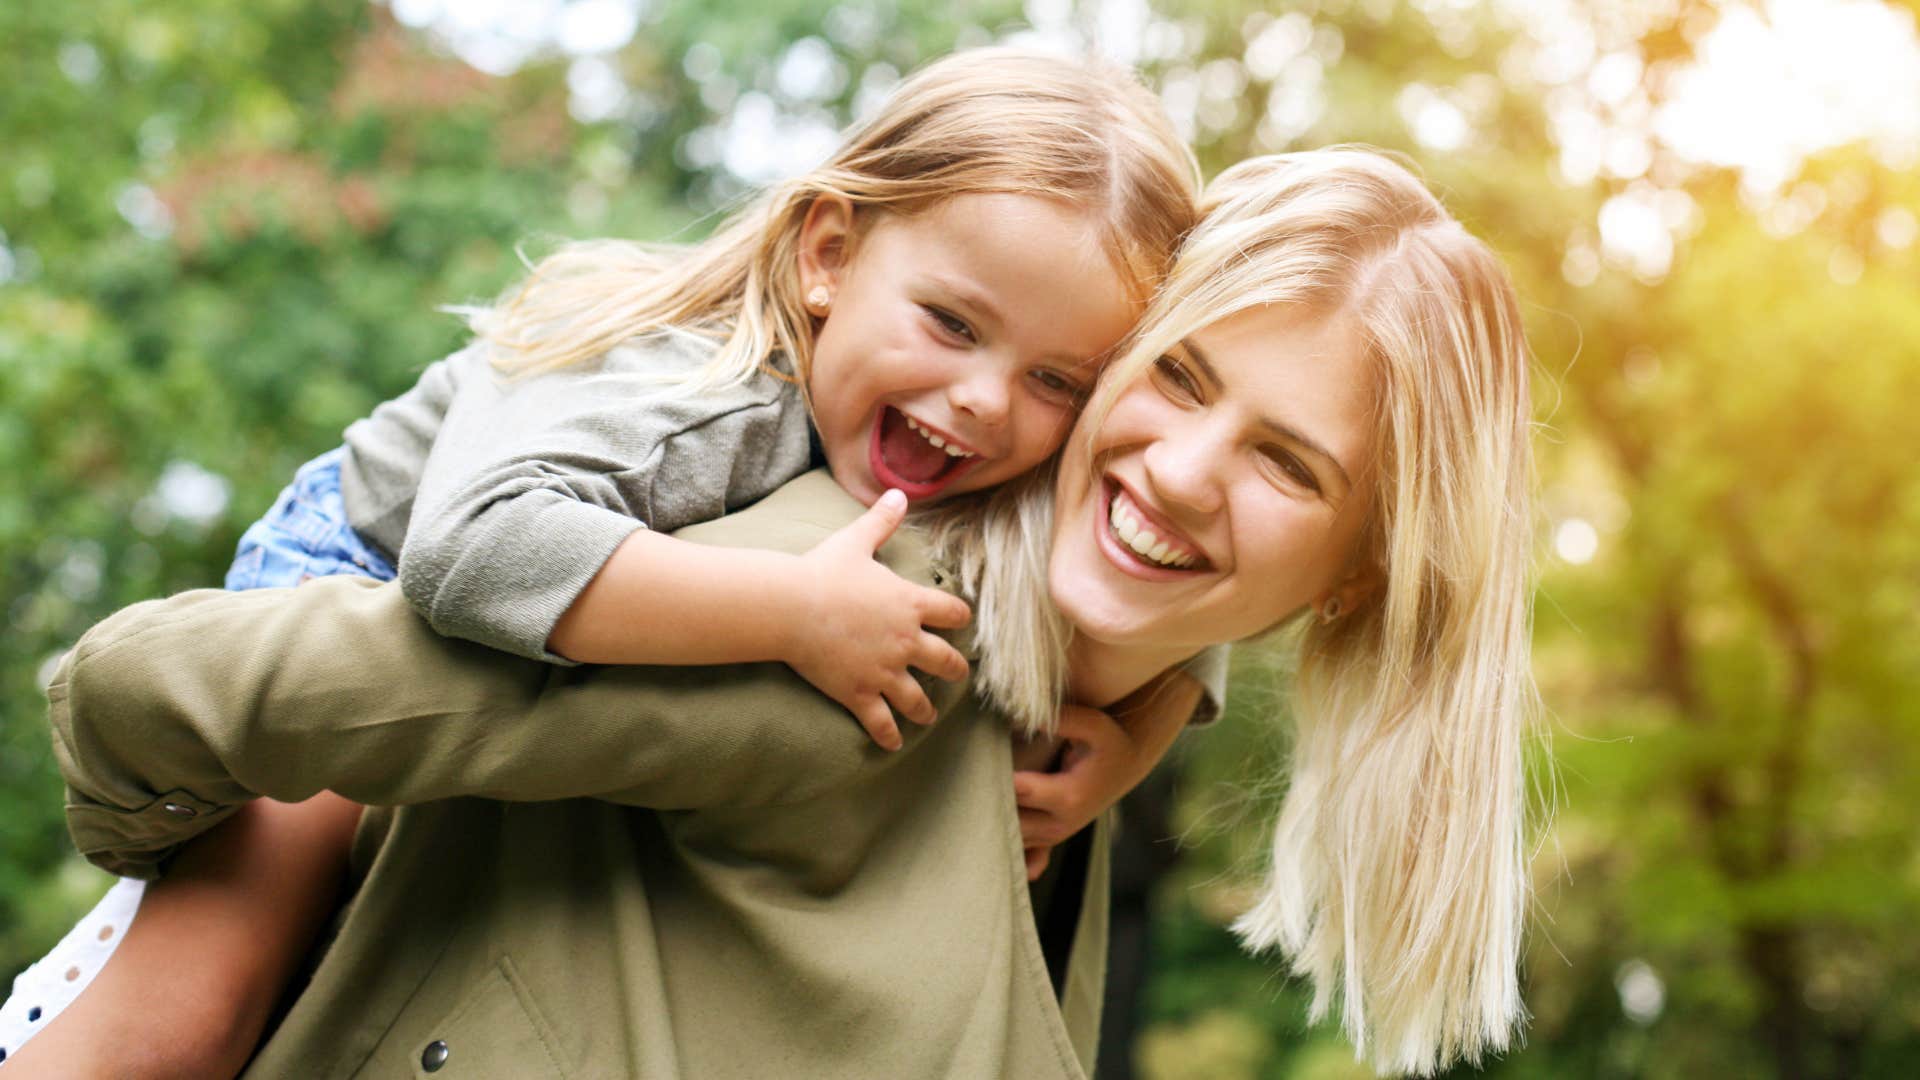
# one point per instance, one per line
(1100, 674)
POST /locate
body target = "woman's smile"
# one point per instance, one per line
(1210, 502)
(1141, 542)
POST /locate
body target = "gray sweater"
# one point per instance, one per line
(500, 499)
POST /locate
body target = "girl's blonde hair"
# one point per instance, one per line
(996, 120)
(1398, 880)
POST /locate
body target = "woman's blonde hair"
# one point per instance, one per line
(995, 120)
(1398, 881)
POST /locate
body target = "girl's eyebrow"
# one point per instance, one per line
(975, 301)
(967, 295)
(1283, 431)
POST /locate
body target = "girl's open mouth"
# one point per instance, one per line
(906, 454)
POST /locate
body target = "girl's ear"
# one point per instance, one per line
(826, 244)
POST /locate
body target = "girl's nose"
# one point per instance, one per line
(1184, 466)
(983, 394)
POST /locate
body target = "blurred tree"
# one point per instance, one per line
(227, 229)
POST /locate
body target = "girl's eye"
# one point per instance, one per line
(948, 322)
(1293, 468)
(1059, 386)
(1171, 376)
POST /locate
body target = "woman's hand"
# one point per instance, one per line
(1097, 764)
(865, 626)
(1100, 760)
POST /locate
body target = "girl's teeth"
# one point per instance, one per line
(938, 442)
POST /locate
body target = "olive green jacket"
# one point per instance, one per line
(791, 901)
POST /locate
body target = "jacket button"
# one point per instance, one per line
(434, 1056)
(178, 810)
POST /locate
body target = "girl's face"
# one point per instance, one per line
(959, 340)
(1226, 489)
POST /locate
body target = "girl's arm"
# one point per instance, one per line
(196, 977)
(846, 624)
(172, 712)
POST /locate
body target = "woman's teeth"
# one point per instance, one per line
(1142, 540)
(938, 442)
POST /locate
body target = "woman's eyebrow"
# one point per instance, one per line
(1298, 437)
(1200, 361)
(1283, 431)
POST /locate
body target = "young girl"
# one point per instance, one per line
(924, 311)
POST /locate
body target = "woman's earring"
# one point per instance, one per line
(1331, 610)
(819, 298)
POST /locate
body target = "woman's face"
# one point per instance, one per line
(1225, 490)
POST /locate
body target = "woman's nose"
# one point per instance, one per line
(1184, 467)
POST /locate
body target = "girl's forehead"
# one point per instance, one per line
(1032, 267)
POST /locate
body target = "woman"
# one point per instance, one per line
(1325, 420)
(1324, 415)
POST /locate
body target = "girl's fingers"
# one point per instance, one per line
(938, 658)
(877, 719)
(909, 700)
(942, 610)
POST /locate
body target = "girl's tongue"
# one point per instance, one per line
(906, 453)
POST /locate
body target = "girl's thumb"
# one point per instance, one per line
(878, 523)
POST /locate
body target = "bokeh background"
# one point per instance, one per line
(226, 226)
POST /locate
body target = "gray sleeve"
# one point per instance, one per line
(1209, 669)
(532, 484)
(529, 488)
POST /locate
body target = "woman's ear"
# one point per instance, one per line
(826, 246)
(1359, 586)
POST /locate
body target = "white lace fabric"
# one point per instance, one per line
(44, 990)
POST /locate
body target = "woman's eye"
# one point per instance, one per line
(1293, 469)
(1174, 381)
(948, 322)
(1054, 384)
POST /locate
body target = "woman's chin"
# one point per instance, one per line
(1096, 612)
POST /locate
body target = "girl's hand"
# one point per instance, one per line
(864, 626)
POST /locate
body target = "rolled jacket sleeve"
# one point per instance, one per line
(172, 713)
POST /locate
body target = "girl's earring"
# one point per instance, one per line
(1331, 610)
(819, 299)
